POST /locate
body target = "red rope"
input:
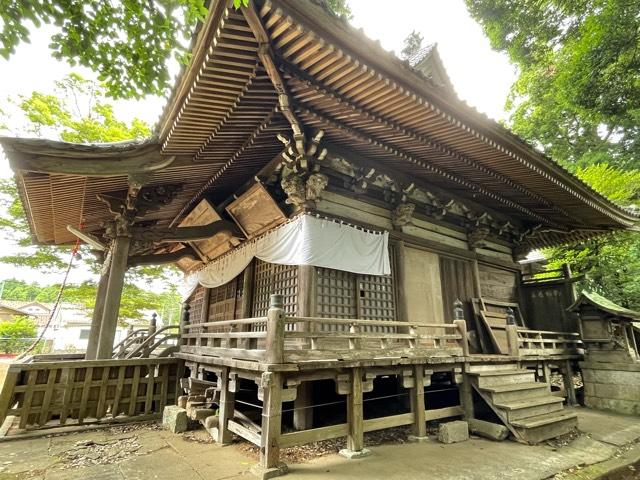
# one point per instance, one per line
(63, 285)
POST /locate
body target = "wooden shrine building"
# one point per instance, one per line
(349, 230)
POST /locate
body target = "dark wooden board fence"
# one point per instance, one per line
(77, 392)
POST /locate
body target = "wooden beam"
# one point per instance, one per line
(355, 413)
(99, 167)
(98, 310)
(227, 407)
(113, 296)
(186, 234)
(417, 403)
(162, 258)
(87, 238)
(267, 58)
(271, 419)
(398, 129)
(388, 149)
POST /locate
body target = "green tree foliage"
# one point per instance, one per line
(340, 8)
(76, 111)
(578, 93)
(16, 334)
(412, 45)
(578, 99)
(136, 301)
(127, 42)
(610, 264)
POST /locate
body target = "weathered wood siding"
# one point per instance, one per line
(457, 283)
(499, 284)
(423, 288)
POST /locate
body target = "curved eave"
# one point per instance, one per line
(339, 35)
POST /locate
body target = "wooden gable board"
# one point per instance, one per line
(255, 211)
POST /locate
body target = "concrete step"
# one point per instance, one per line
(531, 407)
(487, 367)
(504, 377)
(516, 391)
(543, 427)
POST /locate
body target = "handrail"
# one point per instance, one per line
(125, 342)
(546, 332)
(373, 323)
(222, 323)
(149, 338)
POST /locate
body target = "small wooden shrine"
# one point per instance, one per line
(350, 233)
(611, 366)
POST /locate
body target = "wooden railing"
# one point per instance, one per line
(278, 338)
(88, 391)
(524, 342)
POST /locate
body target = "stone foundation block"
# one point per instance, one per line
(353, 454)
(416, 439)
(453, 432)
(175, 419)
(266, 473)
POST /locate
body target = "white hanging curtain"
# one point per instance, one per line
(307, 240)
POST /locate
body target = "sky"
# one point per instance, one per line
(481, 76)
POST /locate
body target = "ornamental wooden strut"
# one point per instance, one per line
(350, 231)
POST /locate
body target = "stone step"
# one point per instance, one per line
(543, 427)
(530, 407)
(487, 367)
(504, 377)
(516, 391)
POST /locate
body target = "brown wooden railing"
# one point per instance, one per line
(525, 342)
(88, 391)
(278, 338)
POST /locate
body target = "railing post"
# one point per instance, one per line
(461, 324)
(274, 348)
(512, 340)
(153, 326)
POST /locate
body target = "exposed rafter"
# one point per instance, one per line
(405, 156)
(431, 143)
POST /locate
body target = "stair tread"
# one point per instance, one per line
(496, 373)
(530, 402)
(512, 387)
(544, 419)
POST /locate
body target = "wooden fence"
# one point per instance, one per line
(96, 391)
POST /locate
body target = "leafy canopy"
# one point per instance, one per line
(129, 43)
(578, 93)
(578, 98)
(16, 334)
(611, 264)
(76, 111)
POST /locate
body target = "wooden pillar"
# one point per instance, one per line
(355, 418)
(275, 330)
(302, 414)
(418, 406)
(98, 310)
(271, 383)
(466, 395)
(567, 377)
(227, 407)
(113, 294)
(401, 281)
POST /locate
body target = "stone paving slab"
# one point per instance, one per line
(609, 427)
(160, 455)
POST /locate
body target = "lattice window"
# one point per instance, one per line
(225, 300)
(336, 294)
(196, 310)
(270, 279)
(348, 295)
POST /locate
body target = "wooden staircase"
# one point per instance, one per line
(524, 405)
